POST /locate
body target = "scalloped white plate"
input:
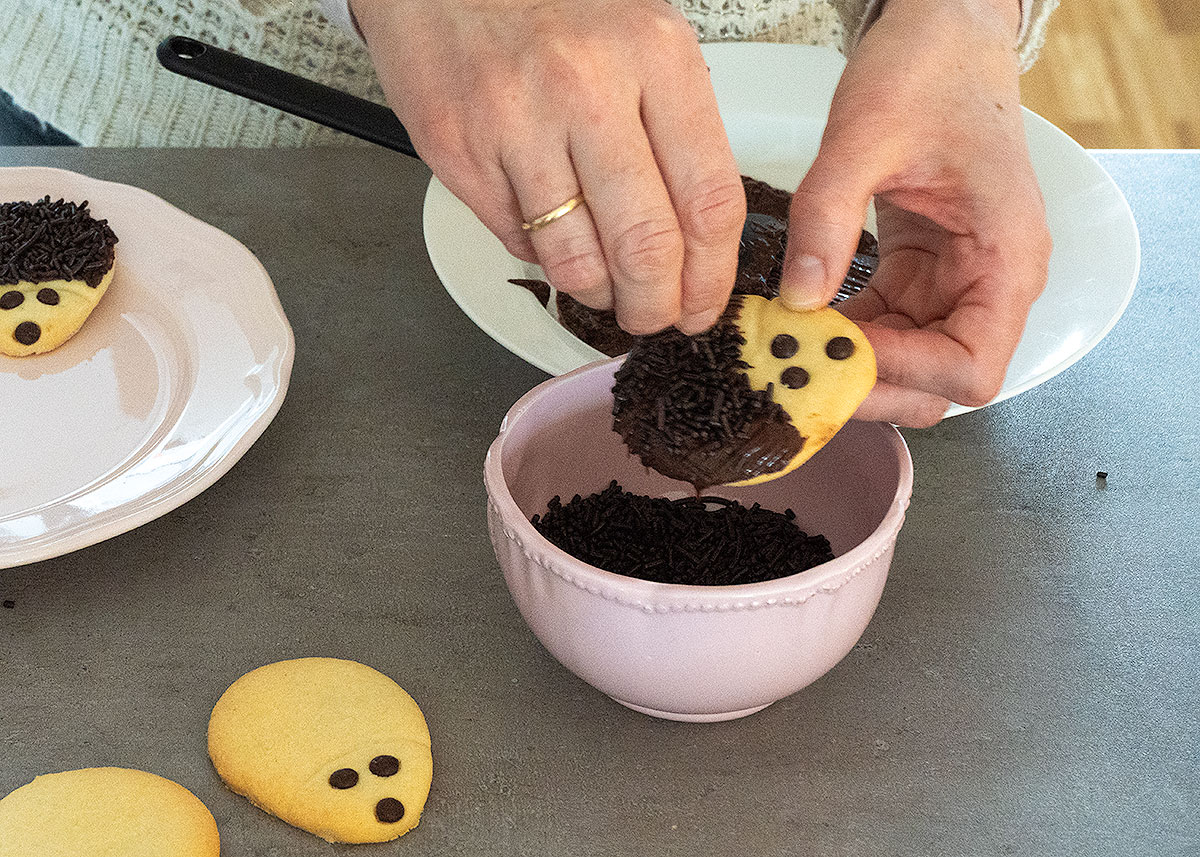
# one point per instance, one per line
(774, 100)
(177, 372)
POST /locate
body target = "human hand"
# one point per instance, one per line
(518, 105)
(926, 117)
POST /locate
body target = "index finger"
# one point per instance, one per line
(683, 124)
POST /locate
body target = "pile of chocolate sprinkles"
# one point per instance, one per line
(681, 541)
(46, 240)
(684, 405)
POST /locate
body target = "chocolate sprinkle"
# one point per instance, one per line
(44, 240)
(344, 778)
(793, 377)
(784, 346)
(384, 766)
(389, 810)
(11, 300)
(27, 333)
(684, 405)
(681, 541)
(48, 296)
(839, 348)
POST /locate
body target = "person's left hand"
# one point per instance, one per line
(927, 119)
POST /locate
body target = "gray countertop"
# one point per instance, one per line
(1029, 684)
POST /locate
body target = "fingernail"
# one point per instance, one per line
(698, 322)
(803, 283)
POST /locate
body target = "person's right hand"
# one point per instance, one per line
(518, 105)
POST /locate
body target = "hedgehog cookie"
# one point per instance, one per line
(105, 812)
(749, 400)
(330, 746)
(56, 262)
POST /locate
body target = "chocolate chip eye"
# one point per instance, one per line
(794, 377)
(839, 348)
(11, 300)
(384, 766)
(344, 778)
(27, 333)
(48, 296)
(784, 346)
(389, 810)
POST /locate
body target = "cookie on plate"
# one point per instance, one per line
(330, 746)
(56, 263)
(749, 400)
(105, 812)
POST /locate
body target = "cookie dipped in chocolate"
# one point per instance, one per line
(56, 263)
(684, 405)
(748, 401)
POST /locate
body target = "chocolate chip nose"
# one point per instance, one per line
(27, 333)
(389, 810)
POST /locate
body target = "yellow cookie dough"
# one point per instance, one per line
(105, 812)
(45, 314)
(819, 364)
(330, 746)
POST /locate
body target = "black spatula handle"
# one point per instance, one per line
(285, 91)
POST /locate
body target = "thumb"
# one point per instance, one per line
(824, 225)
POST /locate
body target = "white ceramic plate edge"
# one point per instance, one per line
(143, 509)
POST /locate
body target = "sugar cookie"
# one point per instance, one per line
(105, 812)
(330, 746)
(749, 400)
(56, 263)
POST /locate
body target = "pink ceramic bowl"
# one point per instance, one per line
(689, 652)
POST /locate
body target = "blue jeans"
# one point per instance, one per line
(21, 128)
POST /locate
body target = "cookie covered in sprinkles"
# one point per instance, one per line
(749, 400)
(56, 263)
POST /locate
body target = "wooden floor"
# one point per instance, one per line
(1121, 73)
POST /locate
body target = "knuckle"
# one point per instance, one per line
(713, 210)
(438, 135)
(575, 268)
(928, 414)
(661, 24)
(649, 250)
(980, 386)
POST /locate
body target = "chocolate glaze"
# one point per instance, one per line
(540, 289)
(597, 327)
(760, 264)
(685, 407)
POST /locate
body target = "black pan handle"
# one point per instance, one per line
(285, 91)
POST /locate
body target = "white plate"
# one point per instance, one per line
(177, 372)
(775, 130)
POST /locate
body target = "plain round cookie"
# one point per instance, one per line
(330, 746)
(105, 812)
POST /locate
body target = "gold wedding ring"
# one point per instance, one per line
(553, 214)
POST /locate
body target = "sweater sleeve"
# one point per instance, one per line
(858, 15)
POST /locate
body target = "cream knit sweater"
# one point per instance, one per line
(88, 66)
